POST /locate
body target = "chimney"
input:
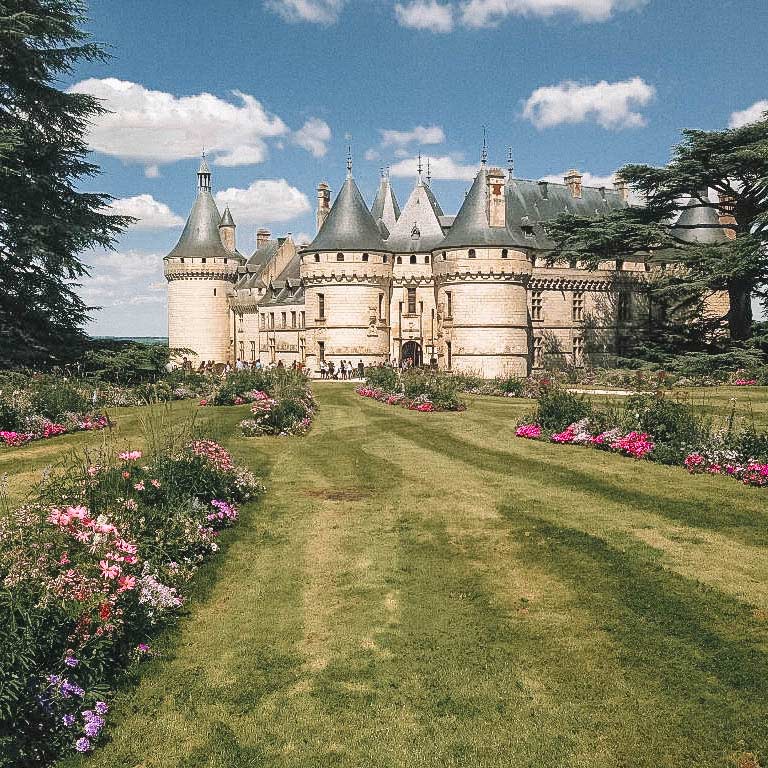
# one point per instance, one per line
(725, 215)
(621, 187)
(497, 209)
(262, 237)
(544, 188)
(572, 180)
(323, 203)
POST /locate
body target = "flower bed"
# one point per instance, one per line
(289, 415)
(42, 429)
(416, 389)
(421, 403)
(100, 562)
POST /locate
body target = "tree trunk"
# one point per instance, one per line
(740, 312)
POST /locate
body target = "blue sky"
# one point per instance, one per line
(272, 89)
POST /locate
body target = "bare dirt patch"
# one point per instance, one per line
(339, 494)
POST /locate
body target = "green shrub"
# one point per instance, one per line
(277, 382)
(752, 444)
(11, 417)
(382, 377)
(53, 398)
(512, 385)
(668, 421)
(558, 409)
(440, 389)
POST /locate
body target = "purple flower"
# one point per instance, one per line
(67, 689)
(82, 744)
(101, 707)
(92, 728)
(142, 648)
(54, 679)
(71, 661)
(69, 720)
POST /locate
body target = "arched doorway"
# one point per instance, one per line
(412, 351)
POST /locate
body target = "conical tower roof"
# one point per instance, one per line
(471, 227)
(385, 206)
(418, 229)
(699, 224)
(349, 225)
(226, 219)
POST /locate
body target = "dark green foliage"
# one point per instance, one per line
(53, 398)
(382, 377)
(125, 362)
(512, 385)
(668, 421)
(558, 408)
(440, 389)
(47, 222)
(277, 382)
(752, 444)
(285, 415)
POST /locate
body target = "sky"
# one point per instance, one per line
(276, 90)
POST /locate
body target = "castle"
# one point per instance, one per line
(473, 292)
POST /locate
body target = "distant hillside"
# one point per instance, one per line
(138, 339)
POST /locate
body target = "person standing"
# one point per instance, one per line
(360, 370)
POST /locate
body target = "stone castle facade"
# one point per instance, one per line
(473, 292)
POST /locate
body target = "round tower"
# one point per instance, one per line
(200, 271)
(346, 271)
(481, 273)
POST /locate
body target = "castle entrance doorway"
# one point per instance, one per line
(412, 351)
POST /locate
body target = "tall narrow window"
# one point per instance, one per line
(317, 257)
(449, 302)
(625, 306)
(538, 351)
(448, 350)
(381, 306)
(426, 259)
(253, 350)
(320, 306)
(262, 322)
(214, 291)
(471, 253)
(321, 350)
(399, 259)
(413, 259)
(577, 307)
(365, 257)
(282, 320)
(578, 350)
(411, 301)
(537, 305)
(293, 319)
(242, 350)
(504, 253)
(302, 319)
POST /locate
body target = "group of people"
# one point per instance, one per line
(212, 368)
(344, 371)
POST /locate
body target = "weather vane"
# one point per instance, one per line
(484, 154)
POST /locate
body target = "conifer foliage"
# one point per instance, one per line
(46, 222)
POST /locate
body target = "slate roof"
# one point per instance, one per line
(263, 254)
(226, 219)
(699, 224)
(385, 207)
(286, 288)
(418, 229)
(349, 225)
(200, 238)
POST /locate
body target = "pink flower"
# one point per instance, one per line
(126, 583)
(129, 455)
(139, 486)
(109, 571)
(530, 431)
(64, 559)
(154, 483)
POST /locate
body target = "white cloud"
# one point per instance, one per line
(154, 127)
(432, 134)
(425, 14)
(371, 154)
(302, 238)
(123, 278)
(749, 115)
(151, 213)
(588, 179)
(313, 136)
(152, 172)
(608, 104)
(402, 152)
(314, 11)
(489, 13)
(445, 167)
(264, 201)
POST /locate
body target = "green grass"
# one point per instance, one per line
(427, 590)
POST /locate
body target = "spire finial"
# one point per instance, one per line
(510, 162)
(203, 174)
(383, 173)
(387, 171)
(420, 166)
(429, 174)
(349, 161)
(484, 153)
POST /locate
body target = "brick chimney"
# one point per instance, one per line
(262, 237)
(572, 180)
(323, 203)
(497, 209)
(621, 187)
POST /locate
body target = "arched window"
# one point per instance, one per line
(339, 257)
(471, 253)
(365, 257)
(504, 253)
(426, 259)
(399, 259)
(444, 256)
(384, 259)
(413, 259)
(317, 257)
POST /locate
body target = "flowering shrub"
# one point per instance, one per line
(44, 429)
(417, 390)
(101, 560)
(531, 431)
(745, 382)
(288, 415)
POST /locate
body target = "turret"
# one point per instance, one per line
(200, 271)
(385, 209)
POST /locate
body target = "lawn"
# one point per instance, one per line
(427, 590)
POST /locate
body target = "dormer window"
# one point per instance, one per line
(339, 257)
(504, 253)
(365, 257)
(399, 259)
(413, 259)
(527, 231)
(471, 253)
(317, 257)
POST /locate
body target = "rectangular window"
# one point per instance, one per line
(302, 350)
(448, 350)
(321, 350)
(449, 301)
(538, 351)
(578, 350)
(577, 307)
(253, 350)
(293, 319)
(381, 306)
(302, 319)
(320, 306)
(283, 320)
(262, 321)
(272, 349)
(625, 306)
(271, 319)
(537, 305)
(411, 301)
(242, 350)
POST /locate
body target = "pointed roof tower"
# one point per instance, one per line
(418, 229)
(349, 225)
(385, 206)
(471, 226)
(226, 219)
(201, 238)
(699, 224)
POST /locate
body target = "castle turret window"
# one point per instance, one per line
(426, 259)
(317, 257)
(449, 302)
(577, 309)
(537, 305)
(471, 253)
(411, 301)
(365, 257)
(399, 259)
(293, 319)
(578, 350)
(504, 253)
(444, 256)
(538, 351)
(413, 259)
(214, 291)
(320, 306)
(203, 260)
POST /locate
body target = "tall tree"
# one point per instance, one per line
(734, 163)
(45, 222)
